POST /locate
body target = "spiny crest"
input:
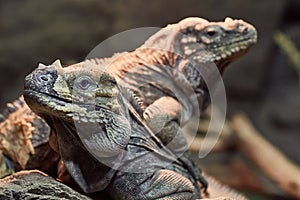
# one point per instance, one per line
(56, 64)
(134, 99)
(12, 107)
(105, 61)
(139, 101)
(164, 38)
(90, 67)
(196, 22)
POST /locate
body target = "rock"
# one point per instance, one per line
(5, 169)
(36, 185)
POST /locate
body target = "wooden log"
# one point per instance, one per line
(268, 158)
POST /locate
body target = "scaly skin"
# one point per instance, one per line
(195, 40)
(169, 69)
(97, 122)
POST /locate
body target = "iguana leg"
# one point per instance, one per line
(162, 117)
(162, 184)
(162, 111)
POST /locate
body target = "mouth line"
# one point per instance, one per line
(250, 40)
(30, 92)
(233, 49)
(59, 101)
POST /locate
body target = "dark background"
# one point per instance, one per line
(263, 83)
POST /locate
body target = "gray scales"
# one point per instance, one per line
(192, 38)
(116, 152)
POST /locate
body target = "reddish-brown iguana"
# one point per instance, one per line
(172, 69)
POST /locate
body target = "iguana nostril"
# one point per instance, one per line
(44, 78)
(242, 28)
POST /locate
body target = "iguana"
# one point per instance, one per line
(169, 70)
(173, 62)
(48, 160)
(195, 40)
(102, 138)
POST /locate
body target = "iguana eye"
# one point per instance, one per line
(84, 82)
(211, 33)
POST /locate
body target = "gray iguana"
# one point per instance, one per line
(102, 138)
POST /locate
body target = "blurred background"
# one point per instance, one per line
(264, 83)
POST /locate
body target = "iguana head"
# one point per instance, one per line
(83, 95)
(201, 41)
(200, 50)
